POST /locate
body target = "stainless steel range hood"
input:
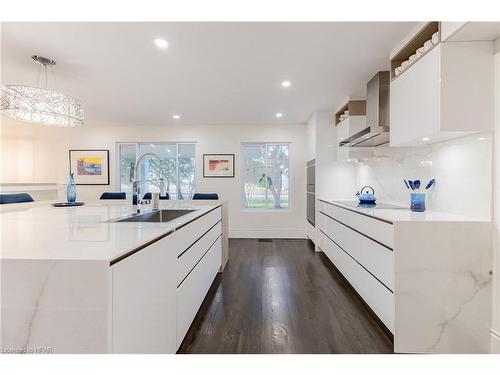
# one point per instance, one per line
(377, 114)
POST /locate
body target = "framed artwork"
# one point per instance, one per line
(90, 167)
(218, 165)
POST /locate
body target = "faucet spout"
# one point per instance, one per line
(136, 183)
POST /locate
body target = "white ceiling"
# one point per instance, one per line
(212, 73)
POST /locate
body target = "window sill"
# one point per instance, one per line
(267, 210)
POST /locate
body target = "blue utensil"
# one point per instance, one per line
(406, 183)
(431, 182)
(416, 184)
(411, 184)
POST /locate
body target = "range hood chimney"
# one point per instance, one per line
(377, 113)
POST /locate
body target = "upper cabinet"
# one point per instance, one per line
(445, 90)
(469, 31)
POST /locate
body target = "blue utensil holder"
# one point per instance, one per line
(417, 202)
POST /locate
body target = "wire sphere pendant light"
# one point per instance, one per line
(40, 105)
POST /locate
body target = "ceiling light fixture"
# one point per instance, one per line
(176, 117)
(162, 43)
(40, 105)
(425, 139)
(279, 115)
(286, 83)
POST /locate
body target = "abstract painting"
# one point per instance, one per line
(218, 165)
(90, 167)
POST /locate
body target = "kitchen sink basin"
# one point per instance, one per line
(159, 216)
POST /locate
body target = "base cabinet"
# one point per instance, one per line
(157, 291)
(143, 301)
(363, 262)
(192, 291)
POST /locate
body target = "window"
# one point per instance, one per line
(178, 167)
(266, 175)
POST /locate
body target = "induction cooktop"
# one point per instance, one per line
(357, 204)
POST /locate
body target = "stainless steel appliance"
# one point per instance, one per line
(311, 191)
(376, 132)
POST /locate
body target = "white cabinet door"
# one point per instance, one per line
(450, 28)
(143, 300)
(375, 294)
(415, 101)
(374, 257)
(379, 230)
(191, 256)
(192, 291)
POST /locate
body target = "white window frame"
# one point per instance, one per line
(242, 174)
(137, 155)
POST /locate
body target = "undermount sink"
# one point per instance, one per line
(159, 216)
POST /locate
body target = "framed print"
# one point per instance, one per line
(218, 165)
(90, 167)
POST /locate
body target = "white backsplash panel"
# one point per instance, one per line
(462, 168)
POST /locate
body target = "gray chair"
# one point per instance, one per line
(211, 196)
(15, 198)
(113, 195)
(148, 196)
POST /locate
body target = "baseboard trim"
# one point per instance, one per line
(495, 342)
(267, 233)
(311, 233)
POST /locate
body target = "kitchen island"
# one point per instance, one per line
(74, 280)
(426, 276)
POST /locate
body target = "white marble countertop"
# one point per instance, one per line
(40, 231)
(403, 214)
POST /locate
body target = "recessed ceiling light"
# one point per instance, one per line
(425, 139)
(279, 114)
(176, 117)
(481, 139)
(286, 83)
(162, 43)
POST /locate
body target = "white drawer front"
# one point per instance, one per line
(379, 230)
(377, 259)
(377, 296)
(188, 259)
(143, 291)
(192, 291)
(185, 236)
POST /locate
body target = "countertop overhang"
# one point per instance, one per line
(39, 231)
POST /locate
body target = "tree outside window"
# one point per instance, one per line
(265, 175)
(178, 168)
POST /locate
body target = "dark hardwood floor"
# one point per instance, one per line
(282, 297)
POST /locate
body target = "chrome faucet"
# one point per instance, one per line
(136, 184)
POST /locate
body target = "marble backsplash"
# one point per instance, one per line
(462, 168)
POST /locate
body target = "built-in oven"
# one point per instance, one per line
(310, 191)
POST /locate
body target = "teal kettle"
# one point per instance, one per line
(366, 195)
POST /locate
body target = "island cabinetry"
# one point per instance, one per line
(157, 291)
(193, 289)
(143, 301)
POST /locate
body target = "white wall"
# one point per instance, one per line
(34, 153)
(462, 168)
(311, 137)
(495, 339)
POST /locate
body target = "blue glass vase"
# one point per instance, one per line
(71, 189)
